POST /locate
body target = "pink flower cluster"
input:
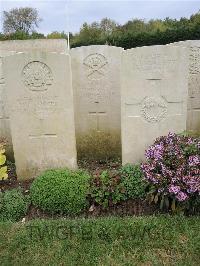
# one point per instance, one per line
(173, 166)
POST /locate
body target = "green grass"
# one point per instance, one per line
(161, 240)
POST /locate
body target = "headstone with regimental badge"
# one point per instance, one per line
(96, 83)
(154, 97)
(41, 112)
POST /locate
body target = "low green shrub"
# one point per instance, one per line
(108, 189)
(133, 181)
(61, 191)
(13, 205)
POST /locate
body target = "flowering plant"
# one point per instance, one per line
(173, 168)
(3, 167)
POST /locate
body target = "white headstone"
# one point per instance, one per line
(4, 114)
(40, 98)
(43, 45)
(154, 96)
(15, 46)
(96, 84)
(193, 115)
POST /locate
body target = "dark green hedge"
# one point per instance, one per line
(128, 40)
(125, 39)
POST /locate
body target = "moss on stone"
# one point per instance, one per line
(99, 145)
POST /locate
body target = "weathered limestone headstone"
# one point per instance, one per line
(40, 98)
(96, 84)
(11, 47)
(193, 115)
(4, 116)
(43, 45)
(154, 96)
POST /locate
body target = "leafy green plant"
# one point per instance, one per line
(132, 179)
(106, 189)
(61, 191)
(13, 205)
(3, 168)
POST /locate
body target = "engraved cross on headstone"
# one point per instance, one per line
(43, 140)
(97, 114)
(42, 137)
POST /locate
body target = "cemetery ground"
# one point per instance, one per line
(148, 240)
(131, 232)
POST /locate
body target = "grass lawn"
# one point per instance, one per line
(161, 240)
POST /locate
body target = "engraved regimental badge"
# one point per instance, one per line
(37, 76)
(96, 66)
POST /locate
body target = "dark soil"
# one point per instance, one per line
(126, 208)
(12, 181)
(93, 167)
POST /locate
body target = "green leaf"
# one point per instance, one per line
(3, 173)
(2, 159)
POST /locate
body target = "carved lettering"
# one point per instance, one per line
(94, 93)
(154, 62)
(41, 106)
(194, 60)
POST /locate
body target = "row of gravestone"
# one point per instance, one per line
(119, 99)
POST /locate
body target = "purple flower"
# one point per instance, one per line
(194, 160)
(174, 189)
(155, 152)
(170, 138)
(193, 183)
(173, 166)
(190, 141)
(181, 196)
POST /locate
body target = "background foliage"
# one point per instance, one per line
(134, 33)
(24, 19)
